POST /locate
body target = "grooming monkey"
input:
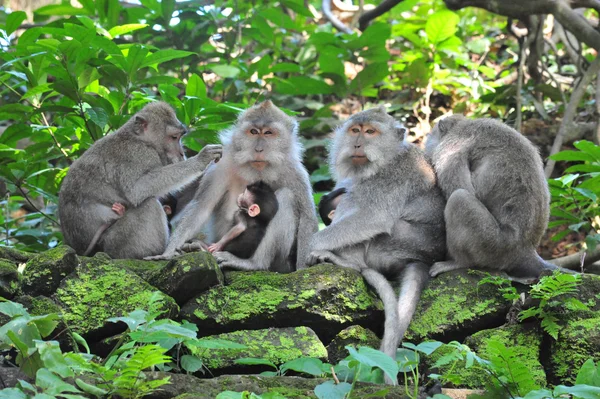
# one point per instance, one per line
(262, 145)
(257, 207)
(390, 222)
(498, 199)
(329, 203)
(134, 166)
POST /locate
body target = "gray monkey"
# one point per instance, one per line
(498, 199)
(133, 166)
(262, 145)
(390, 221)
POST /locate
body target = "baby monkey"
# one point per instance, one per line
(329, 203)
(257, 207)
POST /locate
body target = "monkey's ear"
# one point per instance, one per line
(401, 131)
(253, 210)
(266, 104)
(446, 124)
(381, 109)
(140, 124)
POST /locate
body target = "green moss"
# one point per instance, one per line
(278, 345)
(44, 272)
(42, 305)
(453, 300)
(14, 255)
(335, 293)
(577, 342)
(354, 336)
(101, 290)
(143, 268)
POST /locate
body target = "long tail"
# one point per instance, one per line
(96, 237)
(384, 289)
(414, 280)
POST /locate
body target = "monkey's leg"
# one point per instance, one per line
(142, 231)
(444, 267)
(194, 246)
(274, 249)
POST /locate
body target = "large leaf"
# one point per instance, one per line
(331, 390)
(374, 358)
(372, 74)
(190, 363)
(307, 365)
(589, 374)
(123, 29)
(303, 85)
(226, 71)
(62, 9)
(195, 87)
(441, 25)
(161, 56)
(14, 20)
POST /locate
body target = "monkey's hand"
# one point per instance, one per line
(118, 208)
(216, 247)
(316, 257)
(209, 153)
(194, 246)
(160, 257)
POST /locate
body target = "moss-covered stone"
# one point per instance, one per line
(143, 268)
(44, 272)
(14, 255)
(42, 305)
(98, 290)
(10, 283)
(325, 298)
(577, 342)
(278, 345)
(454, 306)
(353, 335)
(189, 387)
(187, 276)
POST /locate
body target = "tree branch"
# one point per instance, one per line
(382, 8)
(339, 25)
(570, 112)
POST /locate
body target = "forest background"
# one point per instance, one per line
(74, 71)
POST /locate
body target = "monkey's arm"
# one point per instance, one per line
(275, 245)
(234, 232)
(308, 224)
(454, 172)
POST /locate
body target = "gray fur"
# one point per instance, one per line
(498, 199)
(134, 166)
(390, 221)
(214, 204)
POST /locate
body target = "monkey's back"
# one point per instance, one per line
(506, 173)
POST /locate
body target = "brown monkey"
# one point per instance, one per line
(262, 145)
(134, 166)
(390, 222)
(498, 199)
(257, 207)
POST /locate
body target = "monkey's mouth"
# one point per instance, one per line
(359, 159)
(259, 165)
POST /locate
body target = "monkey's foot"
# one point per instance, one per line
(194, 246)
(227, 260)
(317, 257)
(164, 256)
(443, 267)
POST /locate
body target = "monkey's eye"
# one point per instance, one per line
(370, 131)
(175, 138)
(268, 132)
(253, 131)
(355, 130)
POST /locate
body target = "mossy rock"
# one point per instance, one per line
(143, 268)
(10, 279)
(577, 342)
(187, 276)
(14, 255)
(454, 306)
(277, 345)
(98, 290)
(44, 272)
(184, 386)
(325, 298)
(353, 335)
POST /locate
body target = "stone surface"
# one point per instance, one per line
(42, 305)
(325, 298)
(98, 290)
(454, 306)
(44, 272)
(189, 387)
(277, 345)
(9, 279)
(187, 276)
(354, 336)
(14, 255)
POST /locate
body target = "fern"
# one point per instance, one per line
(131, 382)
(509, 369)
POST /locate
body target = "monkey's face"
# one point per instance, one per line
(172, 141)
(262, 140)
(247, 202)
(366, 142)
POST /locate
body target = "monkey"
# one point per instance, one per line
(390, 223)
(497, 196)
(140, 162)
(262, 145)
(329, 203)
(257, 207)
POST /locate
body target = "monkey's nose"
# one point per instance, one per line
(259, 149)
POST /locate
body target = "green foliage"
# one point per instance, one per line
(548, 291)
(575, 194)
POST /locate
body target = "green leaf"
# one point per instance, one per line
(61, 9)
(589, 374)
(14, 20)
(81, 341)
(52, 384)
(190, 363)
(579, 391)
(161, 56)
(124, 29)
(307, 365)
(226, 71)
(372, 74)
(279, 18)
(424, 347)
(331, 390)
(135, 57)
(167, 8)
(252, 361)
(12, 309)
(195, 87)
(302, 85)
(53, 358)
(12, 393)
(98, 116)
(441, 25)
(539, 394)
(91, 389)
(572, 156)
(374, 358)
(285, 67)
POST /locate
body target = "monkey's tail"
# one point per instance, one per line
(96, 238)
(414, 281)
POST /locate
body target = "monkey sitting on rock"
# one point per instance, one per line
(135, 165)
(257, 207)
(497, 196)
